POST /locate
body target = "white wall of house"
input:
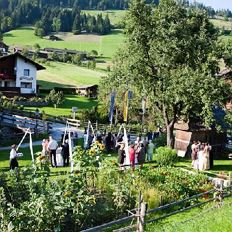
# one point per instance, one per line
(26, 82)
(8, 83)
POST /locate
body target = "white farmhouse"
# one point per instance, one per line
(18, 74)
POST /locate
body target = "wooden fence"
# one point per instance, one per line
(141, 213)
(16, 121)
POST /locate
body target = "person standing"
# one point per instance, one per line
(206, 157)
(121, 155)
(132, 156)
(13, 158)
(150, 150)
(65, 153)
(194, 151)
(201, 159)
(141, 154)
(45, 147)
(108, 142)
(52, 146)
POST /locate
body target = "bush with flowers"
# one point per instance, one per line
(42, 162)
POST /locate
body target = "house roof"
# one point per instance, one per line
(17, 54)
(86, 86)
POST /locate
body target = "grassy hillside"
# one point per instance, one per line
(106, 45)
(115, 16)
(67, 75)
(219, 23)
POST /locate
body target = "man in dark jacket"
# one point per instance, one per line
(65, 153)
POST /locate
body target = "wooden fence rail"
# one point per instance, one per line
(164, 207)
(17, 121)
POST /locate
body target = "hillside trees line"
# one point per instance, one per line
(58, 19)
(49, 18)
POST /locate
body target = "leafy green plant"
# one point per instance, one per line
(166, 156)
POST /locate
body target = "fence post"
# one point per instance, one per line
(141, 213)
(138, 211)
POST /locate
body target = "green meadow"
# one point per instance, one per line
(81, 103)
(106, 45)
(67, 75)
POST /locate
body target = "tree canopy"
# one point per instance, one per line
(172, 56)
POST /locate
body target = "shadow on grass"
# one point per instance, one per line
(51, 85)
(9, 35)
(222, 168)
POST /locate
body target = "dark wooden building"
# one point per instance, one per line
(186, 133)
(87, 90)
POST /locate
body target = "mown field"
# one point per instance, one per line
(81, 103)
(67, 75)
(106, 45)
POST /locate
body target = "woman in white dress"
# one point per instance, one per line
(206, 158)
(201, 159)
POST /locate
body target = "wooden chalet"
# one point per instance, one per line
(87, 90)
(18, 75)
(54, 38)
(65, 51)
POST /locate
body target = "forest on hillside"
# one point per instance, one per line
(65, 15)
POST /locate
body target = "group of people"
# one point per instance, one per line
(49, 148)
(201, 159)
(139, 151)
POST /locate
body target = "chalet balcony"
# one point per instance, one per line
(10, 91)
(4, 76)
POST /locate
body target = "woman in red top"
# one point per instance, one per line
(132, 156)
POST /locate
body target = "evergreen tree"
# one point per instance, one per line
(76, 28)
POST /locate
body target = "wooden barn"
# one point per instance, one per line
(187, 133)
(87, 90)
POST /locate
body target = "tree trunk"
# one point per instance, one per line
(170, 135)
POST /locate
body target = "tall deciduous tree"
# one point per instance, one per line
(171, 54)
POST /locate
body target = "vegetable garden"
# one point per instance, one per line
(96, 192)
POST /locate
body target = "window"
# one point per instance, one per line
(26, 85)
(27, 72)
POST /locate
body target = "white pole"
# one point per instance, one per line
(31, 149)
(70, 149)
(127, 160)
(22, 139)
(86, 142)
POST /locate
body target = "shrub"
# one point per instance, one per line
(166, 156)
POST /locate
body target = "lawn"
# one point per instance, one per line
(106, 45)
(219, 166)
(67, 75)
(65, 109)
(203, 219)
